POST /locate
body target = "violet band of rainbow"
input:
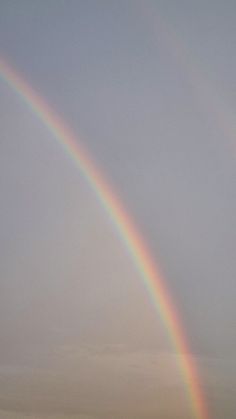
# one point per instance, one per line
(127, 231)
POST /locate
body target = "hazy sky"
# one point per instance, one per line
(149, 88)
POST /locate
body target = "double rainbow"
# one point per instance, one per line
(128, 233)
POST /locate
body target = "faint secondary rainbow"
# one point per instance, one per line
(203, 91)
(125, 228)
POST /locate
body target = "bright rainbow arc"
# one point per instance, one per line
(125, 228)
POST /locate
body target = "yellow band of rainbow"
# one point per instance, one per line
(128, 233)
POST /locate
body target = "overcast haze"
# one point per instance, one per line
(149, 87)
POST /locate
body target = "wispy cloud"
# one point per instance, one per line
(99, 379)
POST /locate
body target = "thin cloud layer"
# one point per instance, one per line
(101, 380)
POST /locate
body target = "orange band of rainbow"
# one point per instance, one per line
(125, 228)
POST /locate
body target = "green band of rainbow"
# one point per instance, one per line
(125, 228)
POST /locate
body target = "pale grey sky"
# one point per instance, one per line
(149, 87)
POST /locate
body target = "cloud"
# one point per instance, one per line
(96, 381)
(18, 415)
(122, 360)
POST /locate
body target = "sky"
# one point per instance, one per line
(149, 88)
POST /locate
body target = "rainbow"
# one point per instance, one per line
(125, 228)
(203, 92)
